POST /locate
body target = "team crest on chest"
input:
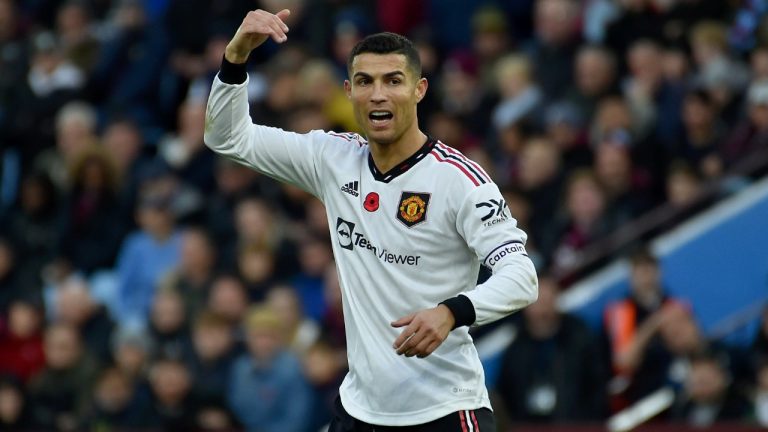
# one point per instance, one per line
(413, 208)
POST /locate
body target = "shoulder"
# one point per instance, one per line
(454, 168)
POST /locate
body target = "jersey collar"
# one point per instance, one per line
(403, 166)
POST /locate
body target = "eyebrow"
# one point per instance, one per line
(386, 75)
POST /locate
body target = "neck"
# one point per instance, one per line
(387, 156)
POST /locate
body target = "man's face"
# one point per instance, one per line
(384, 92)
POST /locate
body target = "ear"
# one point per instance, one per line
(421, 89)
(348, 89)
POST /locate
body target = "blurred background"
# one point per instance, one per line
(146, 284)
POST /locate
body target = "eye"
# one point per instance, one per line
(363, 81)
(395, 81)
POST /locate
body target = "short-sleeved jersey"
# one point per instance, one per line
(403, 241)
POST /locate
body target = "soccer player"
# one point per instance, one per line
(412, 221)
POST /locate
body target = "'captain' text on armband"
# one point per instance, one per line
(504, 251)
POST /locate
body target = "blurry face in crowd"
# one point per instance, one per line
(123, 141)
(23, 320)
(643, 59)
(62, 347)
(71, 21)
(644, 280)
(758, 113)
(256, 265)
(253, 220)
(706, 382)
(543, 312)
(321, 365)
(697, 114)
(11, 403)
(585, 201)
(74, 304)
(130, 359)
(613, 166)
(167, 311)
(284, 301)
(191, 121)
(196, 252)
(680, 333)
(170, 381)
(212, 340)
(594, 72)
(683, 188)
(72, 137)
(263, 342)
(554, 21)
(539, 162)
(228, 299)
(384, 92)
(113, 391)
(759, 64)
(157, 221)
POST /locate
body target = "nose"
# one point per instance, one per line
(377, 94)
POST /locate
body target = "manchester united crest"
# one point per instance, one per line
(413, 208)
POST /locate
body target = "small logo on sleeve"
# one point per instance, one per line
(413, 208)
(351, 188)
(492, 211)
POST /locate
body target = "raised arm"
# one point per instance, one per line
(286, 156)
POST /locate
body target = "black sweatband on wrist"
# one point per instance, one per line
(462, 309)
(232, 73)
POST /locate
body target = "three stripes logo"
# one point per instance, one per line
(351, 188)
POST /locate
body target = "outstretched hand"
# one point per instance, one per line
(424, 331)
(255, 29)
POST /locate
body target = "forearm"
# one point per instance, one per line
(512, 287)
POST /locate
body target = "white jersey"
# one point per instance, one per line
(403, 241)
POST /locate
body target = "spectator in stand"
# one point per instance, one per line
(333, 321)
(256, 268)
(125, 144)
(21, 341)
(146, 256)
(75, 132)
(77, 308)
(586, 220)
(115, 404)
(684, 187)
(595, 73)
(228, 299)
(541, 181)
(59, 394)
(186, 153)
(314, 257)
(555, 44)
(75, 33)
(703, 134)
(94, 222)
(552, 372)
(324, 367)
(564, 126)
(33, 230)
(173, 405)
(194, 275)
(210, 356)
(490, 41)
(629, 318)
(709, 395)
(131, 352)
(300, 332)
(267, 390)
(14, 407)
(751, 135)
(520, 96)
(168, 326)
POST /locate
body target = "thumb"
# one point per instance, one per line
(404, 321)
(283, 14)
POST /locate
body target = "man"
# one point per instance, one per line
(412, 218)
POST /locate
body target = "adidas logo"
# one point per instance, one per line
(351, 188)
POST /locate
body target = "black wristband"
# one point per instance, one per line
(462, 309)
(232, 73)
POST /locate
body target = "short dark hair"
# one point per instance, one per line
(387, 43)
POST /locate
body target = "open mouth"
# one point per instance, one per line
(380, 117)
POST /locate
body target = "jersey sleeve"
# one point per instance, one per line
(485, 223)
(285, 156)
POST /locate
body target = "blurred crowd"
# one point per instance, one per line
(147, 283)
